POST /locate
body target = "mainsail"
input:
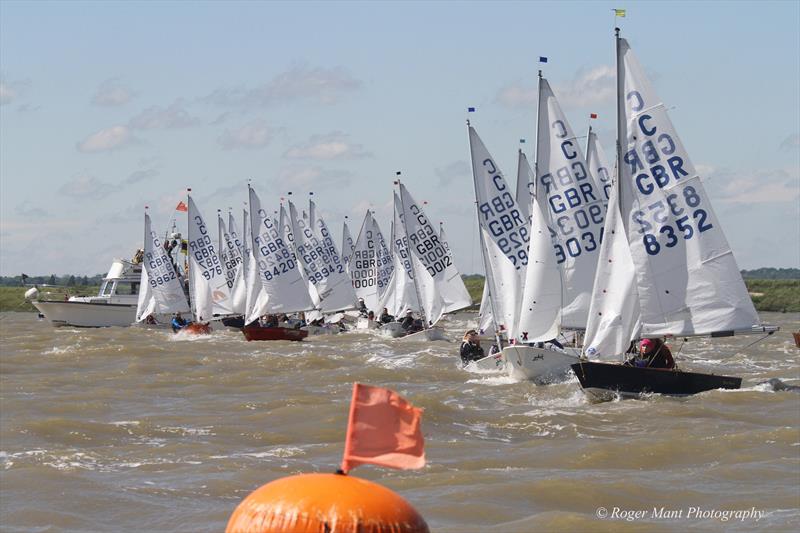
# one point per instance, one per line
(207, 281)
(348, 244)
(363, 264)
(688, 280)
(401, 294)
(166, 292)
(230, 256)
(321, 264)
(505, 232)
(285, 289)
(438, 281)
(575, 207)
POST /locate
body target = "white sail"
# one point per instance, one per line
(525, 184)
(234, 232)
(688, 280)
(402, 294)
(342, 296)
(286, 290)
(146, 304)
(165, 286)
(598, 165)
(232, 262)
(207, 281)
(540, 313)
(486, 321)
(506, 232)
(255, 297)
(383, 262)
(575, 207)
(348, 244)
(448, 292)
(614, 308)
(363, 264)
(321, 266)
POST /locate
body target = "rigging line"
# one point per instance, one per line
(758, 340)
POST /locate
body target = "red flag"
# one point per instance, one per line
(384, 429)
(593, 115)
(181, 207)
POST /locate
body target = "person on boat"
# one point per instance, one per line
(653, 353)
(138, 257)
(371, 316)
(471, 347)
(269, 321)
(385, 317)
(178, 322)
(362, 307)
(408, 321)
(150, 320)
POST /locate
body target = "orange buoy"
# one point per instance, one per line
(197, 328)
(325, 502)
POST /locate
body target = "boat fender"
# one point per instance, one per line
(32, 294)
(325, 502)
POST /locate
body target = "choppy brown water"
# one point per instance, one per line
(124, 429)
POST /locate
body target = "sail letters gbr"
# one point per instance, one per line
(500, 215)
(274, 258)
(423, 238)
(576, 210)
(670, 204)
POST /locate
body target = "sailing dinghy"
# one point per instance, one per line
(666, 269)
(437, 282)
(274, 283)
(161, 292)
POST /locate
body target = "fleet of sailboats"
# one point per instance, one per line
(581, 259)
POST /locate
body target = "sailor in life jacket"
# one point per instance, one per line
(471, 347)
(178, 322)
(653, 353)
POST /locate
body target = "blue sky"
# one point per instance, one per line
(107, 107)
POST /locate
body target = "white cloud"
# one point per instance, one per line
(791, 143)
(518, 96)
(7, 94)
(27, 209)
(106, 140)
(760, 187)
(140, 175)
(320, 85)
(12, 90)
(325, 147)
(592, 87)
(251, 136)
(111, 93)
(86, 186)
(171, 117)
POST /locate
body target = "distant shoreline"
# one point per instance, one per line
(775, 295)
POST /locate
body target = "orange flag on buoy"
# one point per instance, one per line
(384, 429)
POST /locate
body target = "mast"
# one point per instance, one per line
(410, 255)
(192, 299)
(486, 268)
(620, 121)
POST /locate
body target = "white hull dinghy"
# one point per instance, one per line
(393, 330)
(540, 365)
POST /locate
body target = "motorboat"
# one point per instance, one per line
(114, 304)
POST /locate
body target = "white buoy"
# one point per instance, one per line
(32, 293)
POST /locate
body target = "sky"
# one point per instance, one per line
(106, 107)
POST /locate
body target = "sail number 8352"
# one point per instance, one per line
(689, 220)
